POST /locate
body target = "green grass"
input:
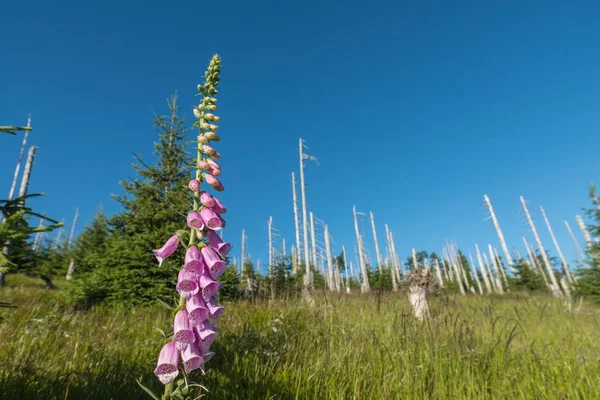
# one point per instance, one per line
(347, 347)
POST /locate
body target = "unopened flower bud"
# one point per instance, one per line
(213, 128)
(216, 138)
(210, 135)
(213, 164)
(203, 164)
(214, 171)
(210, 117)
(202, 139)
(215, 155)
(212, 107)
(208, 150)
(194, 185)
(212, 181)
(205, 126)
(197, 113)
(216, 119)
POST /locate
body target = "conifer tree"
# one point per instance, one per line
(154, 204)
(589, 276)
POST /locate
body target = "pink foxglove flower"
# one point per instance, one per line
(211, 219)
(194, 220)
(214, 309)
(219, 208)
(218, 244)
(214, 264)
(167, 370)
(193, 260)
(206, 335)
(169, 248)
(187, 283)
(207, 200)
(223, 222)
(197, 310)
(209, 287)
(197, 283)
(192, 357)
(182, 331)
(194, 185)
(212, 181)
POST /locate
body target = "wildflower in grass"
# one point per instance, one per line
(167, 370)
(194, 220)
(187, 283)
(194, 185)
(214, 309)
(169, 248)
(197, 309)
(219, 208)
(205, 335)
(214, 265)
(209, 287)
(207, 200)
(193, 260)
(218, 244)
(192, 357)
(212, 181)
(211, 219)
(182, 331)
(197, 283)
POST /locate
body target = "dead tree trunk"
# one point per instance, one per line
(555, 287)
(558, 250)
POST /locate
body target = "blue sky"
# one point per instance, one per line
(414, 110)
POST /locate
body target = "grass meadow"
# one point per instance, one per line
(517, 346)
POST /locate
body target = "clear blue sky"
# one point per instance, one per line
(414, 110)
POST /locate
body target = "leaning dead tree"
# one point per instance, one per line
(586, 234)
(483, 270)
(553, 281)
(71, 267)
(509, 259)
(27, 172)
(568, 274)
(379, 260)
(27, 129)
(575, 241)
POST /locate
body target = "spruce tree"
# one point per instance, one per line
(589, 276)
(153, 205)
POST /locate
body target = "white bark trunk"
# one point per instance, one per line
(558, 250)
(366, 287)
(555, 287)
